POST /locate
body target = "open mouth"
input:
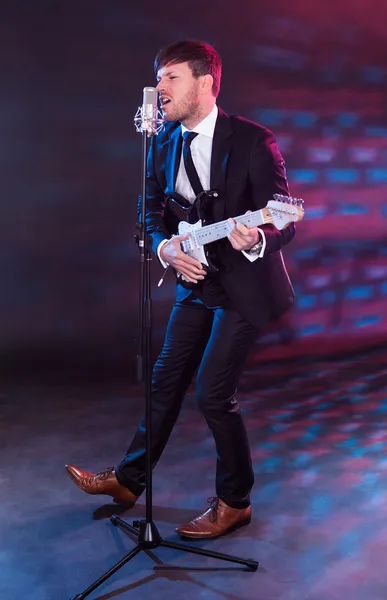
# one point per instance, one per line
(164, 100)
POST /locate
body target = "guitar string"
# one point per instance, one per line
(244, 219)
(207, 229)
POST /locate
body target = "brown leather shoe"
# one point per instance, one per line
(104, 482)
(218, 520)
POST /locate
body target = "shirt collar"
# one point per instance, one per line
(207, 126)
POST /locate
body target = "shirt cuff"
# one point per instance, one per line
(161, 244)
(252, 256)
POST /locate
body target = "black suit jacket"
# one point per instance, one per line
(246, 170)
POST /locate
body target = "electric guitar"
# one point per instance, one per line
(280, 212)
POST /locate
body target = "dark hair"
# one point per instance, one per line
(202, 59)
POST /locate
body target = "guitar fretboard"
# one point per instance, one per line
(219, 230)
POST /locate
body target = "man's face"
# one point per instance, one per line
(179, 92)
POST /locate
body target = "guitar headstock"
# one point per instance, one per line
(284, 210)
(289, 200)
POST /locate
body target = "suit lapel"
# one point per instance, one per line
(173, 159)
(221, 148)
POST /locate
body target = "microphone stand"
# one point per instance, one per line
(148, 536)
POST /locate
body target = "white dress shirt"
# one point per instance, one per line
(201, 151)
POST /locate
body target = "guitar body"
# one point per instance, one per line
(192, 218)
(190, 247)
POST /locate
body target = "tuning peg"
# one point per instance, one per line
(288, 199)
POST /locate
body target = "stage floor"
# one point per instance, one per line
(318, 431)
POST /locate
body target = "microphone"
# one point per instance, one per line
(148, 119)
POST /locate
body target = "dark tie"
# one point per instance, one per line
(192, 173)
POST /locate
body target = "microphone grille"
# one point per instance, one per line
(150, 96)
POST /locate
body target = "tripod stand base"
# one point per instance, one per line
(149, 538)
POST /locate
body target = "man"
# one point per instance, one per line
(217, 315)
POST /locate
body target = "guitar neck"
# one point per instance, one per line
(219, 230)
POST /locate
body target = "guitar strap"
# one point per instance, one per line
(190, 169)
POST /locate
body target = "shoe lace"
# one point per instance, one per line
(104, 474)
(214, 505)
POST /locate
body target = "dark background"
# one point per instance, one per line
(73, 74)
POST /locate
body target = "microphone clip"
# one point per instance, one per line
(151, 123)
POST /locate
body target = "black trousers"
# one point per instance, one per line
(216, 341)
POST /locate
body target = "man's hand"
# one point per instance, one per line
(240, 236)
(191, 269)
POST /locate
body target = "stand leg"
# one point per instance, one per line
(248, 562)
(108, 574)
(252, 565)
(118, 522)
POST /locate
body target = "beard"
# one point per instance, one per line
(186, 109)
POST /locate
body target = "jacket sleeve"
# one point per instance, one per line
(268, 177)
(155, 202)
